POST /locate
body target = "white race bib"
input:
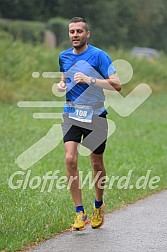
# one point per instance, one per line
(81, 113)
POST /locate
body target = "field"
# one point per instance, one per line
(31, 212)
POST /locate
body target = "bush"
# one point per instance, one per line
(5, 35)
(24, 30)
(59, 26)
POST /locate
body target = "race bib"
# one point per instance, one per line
(81, 113)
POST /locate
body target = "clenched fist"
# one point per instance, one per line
(61, 86)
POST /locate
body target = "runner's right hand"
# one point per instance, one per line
(61, 86)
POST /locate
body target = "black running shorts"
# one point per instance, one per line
(91, 135)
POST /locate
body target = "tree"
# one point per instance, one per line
(117, 23)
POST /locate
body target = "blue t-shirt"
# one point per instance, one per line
(93, 62)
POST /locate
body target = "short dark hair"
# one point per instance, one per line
(79, 19)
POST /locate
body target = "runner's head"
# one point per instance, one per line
(78, 32)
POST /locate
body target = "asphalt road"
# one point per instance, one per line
(140, 227)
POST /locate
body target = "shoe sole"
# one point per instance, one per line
(81, 229)
(78, 229)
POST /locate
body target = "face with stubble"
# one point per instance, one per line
(78, 35)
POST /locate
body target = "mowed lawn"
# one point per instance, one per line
(29, 214)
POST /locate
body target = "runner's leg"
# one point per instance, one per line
(98, 166)
(72, 173)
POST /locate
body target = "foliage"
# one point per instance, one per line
(29, 10)
(18, 61)
(25, 31)
(113, 22)
(60, 28)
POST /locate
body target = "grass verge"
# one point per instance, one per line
(28, 215)
(138, 145)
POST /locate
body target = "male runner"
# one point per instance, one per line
(86, 71)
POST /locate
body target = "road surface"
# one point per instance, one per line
(139, 227)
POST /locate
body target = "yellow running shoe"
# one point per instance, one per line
(80, 221)
(98, 217)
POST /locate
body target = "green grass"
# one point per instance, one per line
(28, 216)
(18, 61)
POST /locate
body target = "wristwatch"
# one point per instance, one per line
(93, 81)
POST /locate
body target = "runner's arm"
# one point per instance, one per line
(61, 86)
(110, 83)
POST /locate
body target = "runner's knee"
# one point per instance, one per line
(71, 161)
(97, 165)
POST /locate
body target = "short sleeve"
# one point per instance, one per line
(105, 65)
